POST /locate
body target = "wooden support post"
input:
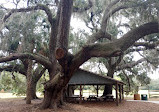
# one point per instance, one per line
(68, 88)
(116, 87)
(80, 94)
(122, 92)
(97, 90)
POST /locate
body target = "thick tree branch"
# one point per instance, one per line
(38, 73)
(129, 38)
(42, 60)
(116, 47)
(95, 50)
(64, 24)
(53, 36)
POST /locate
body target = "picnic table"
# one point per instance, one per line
(74, 97)
(92, 97)
(109, 97)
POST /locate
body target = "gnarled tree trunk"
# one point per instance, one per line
(33, 90)
(35, 78)
(55, 86)
(111, 66)
(53, 92)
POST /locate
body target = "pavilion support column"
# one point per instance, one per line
(122, 92)
(80, 102)
(116, 87)
(68, 88)
(97, 89)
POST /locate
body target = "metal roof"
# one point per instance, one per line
(83, 77)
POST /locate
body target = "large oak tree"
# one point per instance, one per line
(61, 73)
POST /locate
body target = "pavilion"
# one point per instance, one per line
(83, 77)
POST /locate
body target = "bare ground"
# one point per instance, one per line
(18, 105)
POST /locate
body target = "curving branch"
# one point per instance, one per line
(109, 11)
(42, 60)
(147, 45)
(134, 49)
(128, 81)
(98, 35)
(142, 46)
(102, 32)
(107, 14)
(148, 60)
(2, 7)
(130, 65)
(38, 7)
(80, 10)
(13, 68)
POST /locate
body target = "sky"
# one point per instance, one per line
(9, 3)
(154, 75)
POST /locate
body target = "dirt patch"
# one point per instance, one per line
(18, 105)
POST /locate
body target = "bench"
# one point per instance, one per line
(153, 93)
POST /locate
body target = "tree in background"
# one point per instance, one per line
(19, 38)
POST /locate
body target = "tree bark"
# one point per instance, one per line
(29, 79)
